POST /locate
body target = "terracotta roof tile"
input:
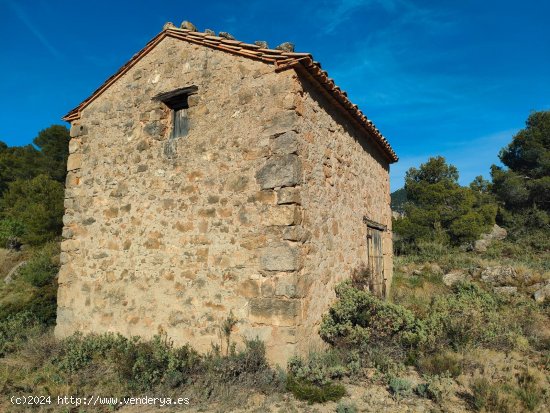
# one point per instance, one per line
(303, 63)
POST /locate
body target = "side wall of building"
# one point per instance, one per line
(345, 178)
(174, 236)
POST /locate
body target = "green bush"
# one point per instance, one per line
(445, 362)
(399, 387)
(146, 364)
(491, 397)
(436, 388)
(439, 210)
(529, 390)
(34, 288)
(42, 268)
(345, 407)
(313, 393)
(322, 368)
(11, 233)
(360, 320)
(524, 186)
(141, 364)
(248, 366)
(468, 316)
(15, 330)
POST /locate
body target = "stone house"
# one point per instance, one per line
(208, 177)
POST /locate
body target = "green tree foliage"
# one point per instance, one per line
(37, 204)
(398, 200)
(31, 186)
(27, 162)
(54, 150)
(18, 162)
(439, 209)
(524, 186)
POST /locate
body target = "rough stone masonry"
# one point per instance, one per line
(257, 211)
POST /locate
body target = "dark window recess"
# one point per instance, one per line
(178, 101)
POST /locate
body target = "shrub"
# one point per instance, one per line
(41, 269)
(442, 363)
(530, 391)
(11, 233)
(34, 290)
(344, 407)
(491, 397)
(120, 366)
(318, 368)
(399, 387)
(468, 316)
(142, 364)
(312, 393)
(246, 366)
(436, 388)
(359, 319)
(16, 330)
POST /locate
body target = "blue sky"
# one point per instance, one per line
(456, 78)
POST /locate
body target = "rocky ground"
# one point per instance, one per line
(365, 396)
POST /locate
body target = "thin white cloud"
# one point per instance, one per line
(342, 10)
(337, 13)
(23, 17)
(385, 69)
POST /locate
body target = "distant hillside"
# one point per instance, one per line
(398, 199)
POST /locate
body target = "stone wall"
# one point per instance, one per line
(256, 212)
(156, 243)
(345, 178)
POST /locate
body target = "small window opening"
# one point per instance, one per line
(178, 101)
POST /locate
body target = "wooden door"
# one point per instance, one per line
(376, 261)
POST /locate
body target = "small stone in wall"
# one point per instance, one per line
(280, 257)
(226, 35)
(236, 183)
(282, 122)
(280, 171)
(273, 311)
(296, 233)
(286, 143)
(155, 129)
(120, 191)
(78, 130)
(74, 161)
(88, 221)
(142, 145)
(288, 195)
